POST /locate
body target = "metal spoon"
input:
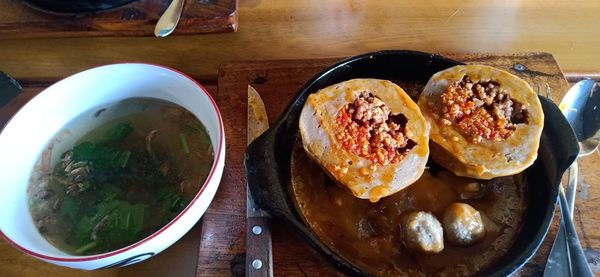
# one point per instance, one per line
(581, 107)
(168, 21)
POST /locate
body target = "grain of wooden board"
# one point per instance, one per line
(134, 19)
(223, 229)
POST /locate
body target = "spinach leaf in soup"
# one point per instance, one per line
(124, 180)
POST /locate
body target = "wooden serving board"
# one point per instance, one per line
(135, 19)
(222, 246)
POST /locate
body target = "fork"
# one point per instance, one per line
(548, 92)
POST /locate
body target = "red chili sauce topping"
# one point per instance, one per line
(367, 129)
(481, 110)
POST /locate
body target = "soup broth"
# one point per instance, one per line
(121, 181)
(368, 234)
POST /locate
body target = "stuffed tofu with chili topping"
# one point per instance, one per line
(485, 122)
(367, 134)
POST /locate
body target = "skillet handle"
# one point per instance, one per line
(562, 141)
(263, 173)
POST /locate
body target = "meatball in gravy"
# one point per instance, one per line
(463, 224)
(422, 233)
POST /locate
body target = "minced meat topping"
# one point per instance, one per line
(367, 128)
(481, 110)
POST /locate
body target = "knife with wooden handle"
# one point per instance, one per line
(259, 258)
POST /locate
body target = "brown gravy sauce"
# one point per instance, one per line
(368, 235)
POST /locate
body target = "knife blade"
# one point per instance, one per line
(259, 258)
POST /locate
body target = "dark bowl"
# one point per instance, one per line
(76, 6)
(268, 158)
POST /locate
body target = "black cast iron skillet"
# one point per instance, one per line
(268, 158)
(76, 6)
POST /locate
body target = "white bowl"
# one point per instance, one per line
(81, 95)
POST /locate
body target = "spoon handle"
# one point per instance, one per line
(578, 263)
(572, 187)
(558, 260)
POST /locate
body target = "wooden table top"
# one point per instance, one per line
(289, 29)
